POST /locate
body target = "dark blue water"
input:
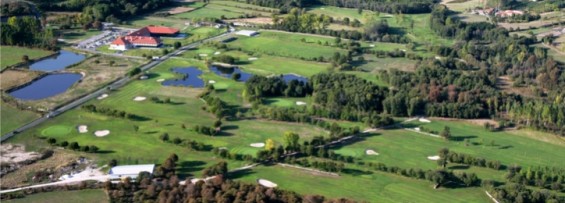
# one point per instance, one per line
(290, 77)
(190, 78)
(58, 62)
(48, 86)
(228, 72)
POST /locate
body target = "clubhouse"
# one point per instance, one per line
(145, 37)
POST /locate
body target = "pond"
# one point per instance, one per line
(190, 78)
(48, 86)
(58, 62)
(229, 72)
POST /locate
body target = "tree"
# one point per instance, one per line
(74, 146)
(51, 141)
(135, 128)
(217, 123)
(443, 153)
(64, 144)
(164, 137)
(25, 58)
(445, 133)
(93, 149)
(112, 62)
(291, 141)
(269, 144)
(177, 45)
(113, 163)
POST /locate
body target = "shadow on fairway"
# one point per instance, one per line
(190, 166)
(240, 174)
(356, 172)
(458, 167)
(105, 151)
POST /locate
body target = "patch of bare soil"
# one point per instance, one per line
(506, 84)
(51, 167)
(260, 20)
(14, 78)
(179, 9)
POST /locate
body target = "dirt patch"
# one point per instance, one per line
(506, 84)
(22, 176)
(480, 122)
(261, 20)
(14, 78)
(16, 154)
(179, 9)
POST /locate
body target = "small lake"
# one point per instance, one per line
(229, 72)
(48, 86)
(58, 62)
(290, 77)
(190, 78)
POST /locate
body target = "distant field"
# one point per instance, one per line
(10, 55)
(83, 196)
(225, 9)
(13, 118)
(374, 64)
(458, 5)
(79, 34)
(286, 45)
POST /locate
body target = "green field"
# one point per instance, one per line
(225, 9)
(83, 196)
(10, 55)
(13, 118)
(79, 34)
(375, 187)
(410, 149)
(286, 45)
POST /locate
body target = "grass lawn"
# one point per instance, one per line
(375, 187)
(227, 9)
(10, 55)
(186, 109)
(408, 149)
(84, 196)
(12, 118)
(373, 64)
(193, 34)
(340, 13)
(286, 45)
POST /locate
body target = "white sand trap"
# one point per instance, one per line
(258, 145)
(82, 129)
(423, 120)
(299, 103)
(160, 80)
(371, 152)
(417, 129)
(139, 98)
(195, 180)
(266, 183)
(217, 53)
(101, 133)
(252, 58)
(103, 96)
(372, 45)
(212, 82)
(202, 54)
(434, 158)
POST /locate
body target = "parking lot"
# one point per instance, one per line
(104, 38)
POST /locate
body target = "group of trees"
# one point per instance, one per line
(258, 87)
(221, 169)
(398, 6)
(109, 112)
(329, 166)
(104, 10)
(520, 193)
(190, 144)
(27, 31)
(541, 177)
(74, 146)
(453, 157)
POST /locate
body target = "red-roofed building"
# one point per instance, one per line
(144, 37)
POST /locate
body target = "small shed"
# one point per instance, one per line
(131, 171)
(248, 33)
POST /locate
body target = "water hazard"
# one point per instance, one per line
(58, 62)
(48, 86)
(190, 78)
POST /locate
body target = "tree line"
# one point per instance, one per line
(26, 31)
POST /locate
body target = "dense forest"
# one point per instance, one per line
(27, 31)
(395, 6)
(104, 10)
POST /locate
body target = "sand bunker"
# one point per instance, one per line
(202, 54)
(434, 158)
(259, 144)
(371, 152)
(266, 183)
(211, 81)
(372, 45)
(160, 80)
(139, 98)
(423, 120)
(101, 133)
(103, 96)
(82, 129)
(180, 9)
(252, 58)
(195, 180)
(217, 53)
(299, 103)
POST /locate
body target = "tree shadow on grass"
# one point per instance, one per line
(139, 118)
(186, 167)
(240, 173)
(151, 132)
(152, 75)
(356, 172)
(462, 138)
(458, 167)
(506, 147)
(230, 127)
(105, 151)
(359, 138)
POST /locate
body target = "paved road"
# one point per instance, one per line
(117, 84)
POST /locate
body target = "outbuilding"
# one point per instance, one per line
(248, 33)
(131, 171)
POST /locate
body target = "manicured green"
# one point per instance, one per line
(375, 187)
(13, 118)
(10, 55)
(83, 196)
